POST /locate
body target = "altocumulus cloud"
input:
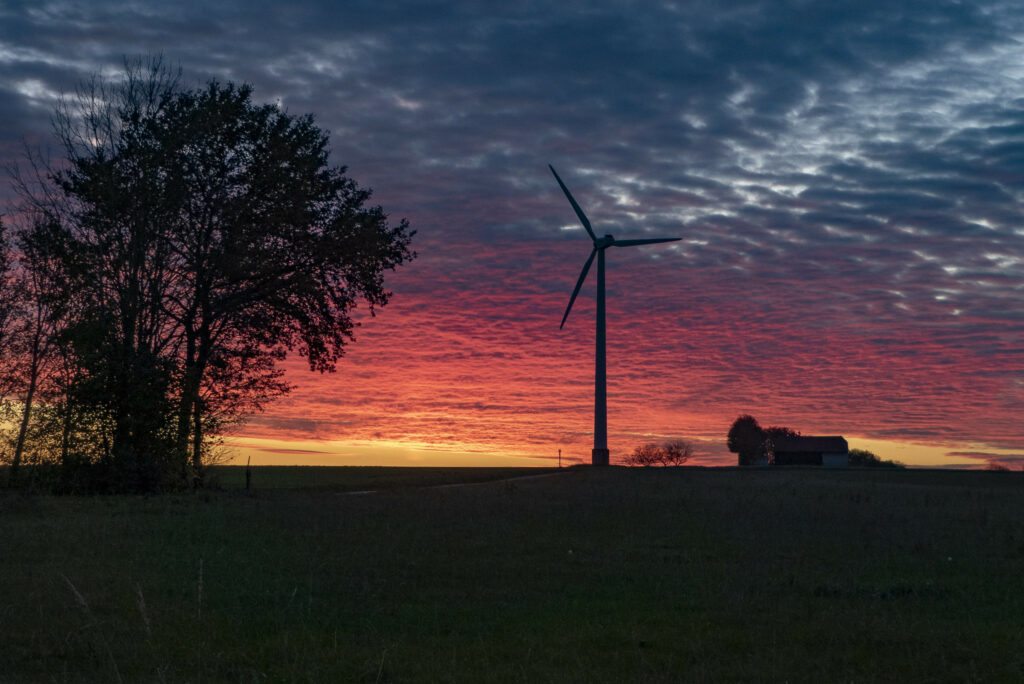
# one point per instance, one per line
(847, 181)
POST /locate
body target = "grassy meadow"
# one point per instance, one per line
(588, 575)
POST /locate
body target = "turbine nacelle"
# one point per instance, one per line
(606, 241)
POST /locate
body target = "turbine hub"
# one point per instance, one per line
(606, 241)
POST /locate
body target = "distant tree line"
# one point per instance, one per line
(153, 278)
(862, 458)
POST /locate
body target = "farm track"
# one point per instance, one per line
(451, 485)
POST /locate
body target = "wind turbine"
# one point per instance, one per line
(599, 456)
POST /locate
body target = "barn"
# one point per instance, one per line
(830, 452)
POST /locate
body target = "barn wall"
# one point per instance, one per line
(835, 460)
(811, 458)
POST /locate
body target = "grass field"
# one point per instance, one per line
(609, 575)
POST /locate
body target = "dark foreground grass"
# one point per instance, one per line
(587, 576)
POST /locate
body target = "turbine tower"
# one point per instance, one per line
(599, 456)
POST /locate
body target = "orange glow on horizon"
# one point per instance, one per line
(467, 365)
(332, 453)
(339, 453)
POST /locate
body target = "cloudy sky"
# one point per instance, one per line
(846, 177)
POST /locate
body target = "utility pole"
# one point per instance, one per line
(559, 458)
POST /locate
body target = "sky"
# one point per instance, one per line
(846, 179)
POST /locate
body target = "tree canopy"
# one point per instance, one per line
(195, 238)
(746, 438)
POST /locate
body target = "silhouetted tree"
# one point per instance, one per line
(274, 247)
(35, 358)
(770, 435)
(200, 238)
(56, 401)
(109, 221)
(644, 455)
(671, 453)
(676, 452)
(778, 431)
(746, 438)
(9, 301)
(8, 307)
(32, 339)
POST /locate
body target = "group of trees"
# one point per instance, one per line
(748, 439)
(154, 277)
(671, 453)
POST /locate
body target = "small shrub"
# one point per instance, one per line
(862, 458)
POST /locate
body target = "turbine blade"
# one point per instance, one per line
(579, 284)
(644, 241)
(579, 212)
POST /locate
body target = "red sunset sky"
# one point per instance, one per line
(847, 183)
(468, 365)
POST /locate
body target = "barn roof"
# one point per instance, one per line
(825, 445)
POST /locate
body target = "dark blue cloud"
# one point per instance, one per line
(865, 160)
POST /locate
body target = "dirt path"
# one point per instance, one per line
(463, 484)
